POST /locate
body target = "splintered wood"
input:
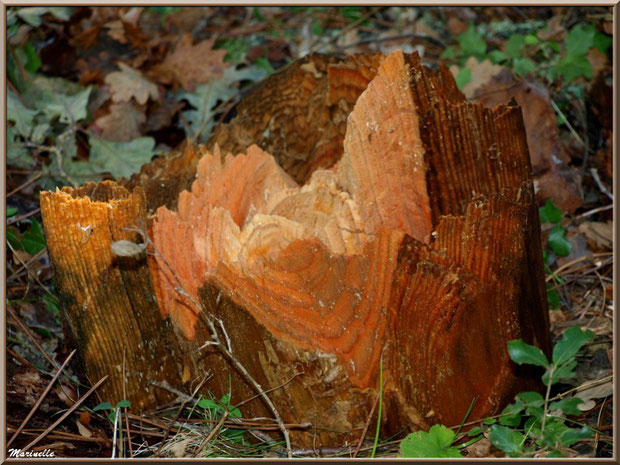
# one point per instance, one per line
(413, 244)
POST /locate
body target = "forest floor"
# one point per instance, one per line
(88, 83)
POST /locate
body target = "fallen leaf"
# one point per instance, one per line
(129, 83)
(190, 65)
(598, 60)
(599, 234)
(554, 31)
(123, 123)
(83, 430)
(594, 392)
(121, 159)
(481, 74)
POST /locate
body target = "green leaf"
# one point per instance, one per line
(463, 78)
(236, 48)
(123, 404)
(263, 63)
(554, 429)
(602, 41)
(553, 298)
(565, 371)
(33, 63)
(10, 211)
(12, 237)
(103, 406)
(497, 56)
(523, 66)
(58, 98)
(19, 114)
(205, 98)
(521, 352)
(471, 42)
(511, 415)
(112, 416)
(434, 444)
(579, 40)
(121, 159)
(208, 404)
(489, 421)
(573, 66)
(573, 339)
(475, 431)
(506, 439)
(557, 241)
(33, 240)
(514, 45)
(531, 398)
(531, 39)
(549, 213)
(573, 435)
(448, 53)
(568, 406)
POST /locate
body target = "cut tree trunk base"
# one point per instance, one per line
(413, 245)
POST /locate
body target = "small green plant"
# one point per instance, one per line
(113, 409)
(556, 243)
(31, 241)
(544, 431)
(532, 425)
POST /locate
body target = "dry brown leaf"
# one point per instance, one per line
(598, 60)
(553, 178)
(84, 431)
(123, 123)
(600, 235)
(128, 83)
(190, 65)
(481, 74)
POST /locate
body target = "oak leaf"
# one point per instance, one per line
(128, 83)
(122, 124)
(190, 65)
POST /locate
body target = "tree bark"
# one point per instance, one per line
(412, 246)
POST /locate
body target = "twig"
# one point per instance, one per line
(32, 275)
(26, 184)
(30, 336)
(212, 433)
(216, 338)
(568, 125)
(368, 420)
(40, 400)
(600, 184)
(596, 210)
(66, 414)
(23, 217)
(32, 259)
(577, 260)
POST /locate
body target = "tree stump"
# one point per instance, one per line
(412, 247)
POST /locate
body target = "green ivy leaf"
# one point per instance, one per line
(123, 404)
(434, 444)
(10, 211)
(579, 40)
(103, 406)
(549, 213)
(573, 339)
(472, 43)
(19, 114)
(572, 435)
(557, 241)
(506, 439)
(568, 406)
(521, 352)
(121, 159)
(464, 77)
(514, 45)
(523, 66)
(573, 66)
(475, 431)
